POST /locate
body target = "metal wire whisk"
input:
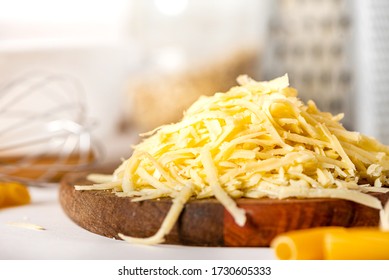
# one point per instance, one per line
(44, 131)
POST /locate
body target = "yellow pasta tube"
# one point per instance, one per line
(13, 194)
(2, 196)
(306, 244)
(357, 244)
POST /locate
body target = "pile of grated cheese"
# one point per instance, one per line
(256, 140)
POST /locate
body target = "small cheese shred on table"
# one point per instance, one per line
(256, 140)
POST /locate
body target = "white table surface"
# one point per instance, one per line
(63, 239)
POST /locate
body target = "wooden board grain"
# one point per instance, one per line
(206, 222)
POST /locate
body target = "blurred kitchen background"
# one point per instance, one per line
(126, 66)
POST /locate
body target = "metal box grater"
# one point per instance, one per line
(372, 71)
(311, 41)
(336, 53)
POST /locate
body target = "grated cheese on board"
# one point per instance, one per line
(256, 140)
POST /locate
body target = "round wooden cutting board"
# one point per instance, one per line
(206, 222)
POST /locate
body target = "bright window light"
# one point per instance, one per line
(171, 7)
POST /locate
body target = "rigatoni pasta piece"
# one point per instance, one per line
(13, 194)
(357, 244)
(306, 244)
(332, 243)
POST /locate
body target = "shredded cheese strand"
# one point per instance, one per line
(26, 225)
(211, 172)
(168, 223)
